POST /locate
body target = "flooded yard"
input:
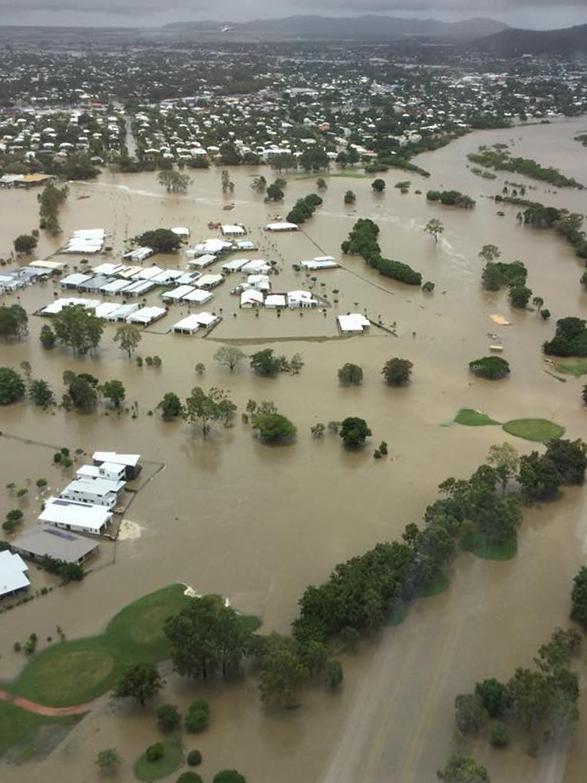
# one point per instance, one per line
(258, 524)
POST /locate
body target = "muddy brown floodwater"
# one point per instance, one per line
(259, 524)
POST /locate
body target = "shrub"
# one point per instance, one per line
(350, 374)
(229, 776)
(194, 758)
(354, 432)
(189, 777)
(397, 372)
(168, 717)
(155, 752)
(197, 717)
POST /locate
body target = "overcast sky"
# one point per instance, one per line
(520, 13)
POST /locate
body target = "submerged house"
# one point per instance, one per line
(94, 492)
(130, 462)
(78, 517)
(13, 578)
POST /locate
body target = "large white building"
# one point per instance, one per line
(93, 492)
(13, 578)
(79, 517)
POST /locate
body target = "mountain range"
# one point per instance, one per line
(368, 27)
(569, 41)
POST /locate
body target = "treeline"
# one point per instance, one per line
(451, 198)
(363, 241)
(50, 200)
(567, 224)
(304, 208)
(501, 160)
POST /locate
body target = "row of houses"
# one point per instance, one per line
(131, 313)
(253, 297)
(84, 506)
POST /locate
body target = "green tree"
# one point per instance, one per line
(570, 459)
(397, 372)
(40, 393)
(378, 185)
(160, 240)
(462, 769)
(435, 228)
(579, 598)
(271, 426)
(114, 391)
(205, 408)
(321, 184)
(538, 477)
(492, 368)
(168, 717)
(274, 193)
(81, 392)
(266, 363)
(493, 696)
(78, 328)
(47, 337)
(174, 181)
(197, 717)
(108, 759)
(25, 244)
(12, 386)
(505, 460)
(207, 637)
(520, 296)
(13, 321)
(349, 197)
(350, 374)
(230, 356)
(128, 337)
(229, 776)
(141, 682)
(489, 253)
(282, 671)
(170, 406)
(470, 714)
(354, 432)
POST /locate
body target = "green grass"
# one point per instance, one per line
(478, 545)
(473, 418)
(171, 760)
(538, 430)
(577, 368)
(24, 735)
(75, 672)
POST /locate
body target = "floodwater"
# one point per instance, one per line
(259, 524)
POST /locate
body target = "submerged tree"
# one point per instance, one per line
(435, 228)
(174, 181)
(230, 356)
(140, 681)
(128, 337)
(78, 328)
(205, 408)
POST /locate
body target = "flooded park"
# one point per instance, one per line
(258, 524)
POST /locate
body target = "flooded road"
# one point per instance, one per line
(259, 524)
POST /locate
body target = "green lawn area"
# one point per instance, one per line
(577, 368)
(539, 430)
(75, 672)
(24, 735)
(171, 760)
(473, 418)
(477, 544)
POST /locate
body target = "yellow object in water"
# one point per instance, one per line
(499, 319)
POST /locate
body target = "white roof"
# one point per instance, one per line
(139, 254)
(202, 261)
(70, 512)
(233, 229)
(251, 296)
(129, 271)
(178, 293)
(12, 573)
(300, 296)
(99, 486)
(167, 276)
(208, 280)
(147, 274)
(122, 312)
(104, 470)
(212, 246)
(256, 265)
(106, 308)
(130, 460)
(75, 279)
(235, 264)
(275, 300)
(52, 265)
(138, 287)
(181, 231)
(146, 314)
(57, 306)
(188, 324)
(107, 268)
(198, 295)
(114, 286)
(281, 226)
(245, 244)
(353, 322)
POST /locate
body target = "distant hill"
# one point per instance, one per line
(355, 28)
(571, 41)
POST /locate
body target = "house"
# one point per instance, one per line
(210, 246)
(256, 265)
(46, 541)
(79, 517)
(93, 492)
(232, 230)
(146, 315)
(252, 298)
(109, 470)
(259, 282)
(352, 323)
(130, 462)
(198, 296)
(320, 262)
(177, 293)
(74, 280)
(300, 299)
(180, 231)
(202, 261)
(193, 322)
(275, 300)
(140, 254)
(13, 578)
(209, 281)
(234, 265)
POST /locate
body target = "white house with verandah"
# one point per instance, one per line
(78, 517)
(94, 492)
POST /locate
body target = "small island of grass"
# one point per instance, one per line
(577, 368)
(538, 430)
(472, 418)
